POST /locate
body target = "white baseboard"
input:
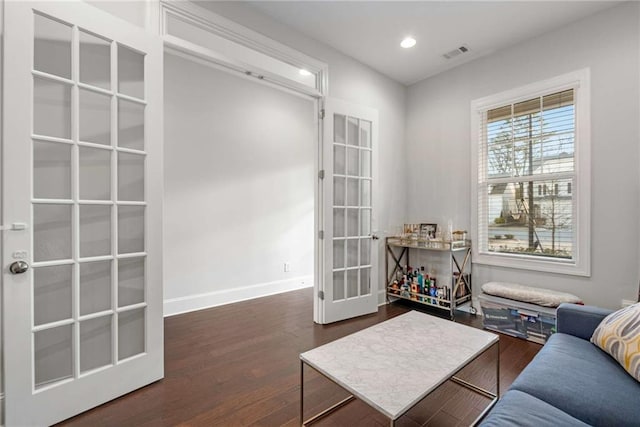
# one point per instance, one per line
(189, 303)
(1, 409)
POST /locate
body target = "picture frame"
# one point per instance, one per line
(428, 230)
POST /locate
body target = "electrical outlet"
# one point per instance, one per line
(287, 267)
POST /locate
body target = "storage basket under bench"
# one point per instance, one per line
(521, 311)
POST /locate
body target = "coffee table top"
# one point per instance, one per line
(396, 363)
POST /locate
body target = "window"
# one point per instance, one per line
(529, 145)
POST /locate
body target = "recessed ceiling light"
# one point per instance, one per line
(304, 72)
(408, 42)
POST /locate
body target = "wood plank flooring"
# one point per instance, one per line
(237, 365)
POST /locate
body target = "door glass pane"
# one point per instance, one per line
(95, 117)
(365, 251)
(130, 229)
(352, 192)
(95, 343)
(52, 293)
(51, 170)
(338, 160)
(338, 191)
(51, 232)
(130, 125)
(131, 336)
(95, 60)
(130, 177)
(365, 133)
(51, 108)
(352, 222)
(338, 253)
(95, 230)
(352, 253)
(352, 283)
(352, 162)
(52, 47)
(95, 287)
(365, 222)
(365, 163)
(365, 281)
(353, 135)
(338, 222)
(130, 72)
(53, 358)
(338, 285)
(339, 129)
(95, 174)
(365, 186)
(130, 281)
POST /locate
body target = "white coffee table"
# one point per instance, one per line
(377, 364)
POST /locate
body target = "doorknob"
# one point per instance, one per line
(18, 267)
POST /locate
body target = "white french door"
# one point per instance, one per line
(348, 285)
(82, 193)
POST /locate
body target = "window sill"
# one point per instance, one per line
(573, 268)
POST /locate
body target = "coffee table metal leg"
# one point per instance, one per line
(301, 392)
(324, 413)
(486, 393)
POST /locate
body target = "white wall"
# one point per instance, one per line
(354, 82)
(239, 187)
(438, 146)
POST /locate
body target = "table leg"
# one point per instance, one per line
(498, 370)
(301, 393)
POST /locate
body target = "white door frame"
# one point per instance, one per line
(208, 26)
(247, 38)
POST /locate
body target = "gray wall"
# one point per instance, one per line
(239, 187)
(438, 145)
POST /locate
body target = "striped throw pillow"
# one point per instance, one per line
(619, 335)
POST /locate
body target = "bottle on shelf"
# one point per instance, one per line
(427, 288)
(421, 283)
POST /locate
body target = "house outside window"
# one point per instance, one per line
(530, 178)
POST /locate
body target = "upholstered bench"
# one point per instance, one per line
(522, 311)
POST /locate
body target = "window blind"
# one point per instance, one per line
(527, 177)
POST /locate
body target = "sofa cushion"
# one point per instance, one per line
(583, 381)
(619, 335)
(520, 409)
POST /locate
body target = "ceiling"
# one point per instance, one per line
(371, 31)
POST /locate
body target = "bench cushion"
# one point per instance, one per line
(539, 296)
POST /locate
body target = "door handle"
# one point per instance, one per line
(18, 267)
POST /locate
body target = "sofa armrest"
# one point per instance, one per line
(579, 320)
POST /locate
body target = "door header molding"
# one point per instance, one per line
(195, 31)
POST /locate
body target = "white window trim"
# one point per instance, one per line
(581, 264)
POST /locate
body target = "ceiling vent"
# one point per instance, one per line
(455, 52)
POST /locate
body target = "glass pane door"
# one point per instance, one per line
(352, 157)
(83, 303)
(88, 202)
(348, 246)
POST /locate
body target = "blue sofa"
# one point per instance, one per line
(570, 382)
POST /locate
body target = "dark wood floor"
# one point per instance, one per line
(237, 365)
